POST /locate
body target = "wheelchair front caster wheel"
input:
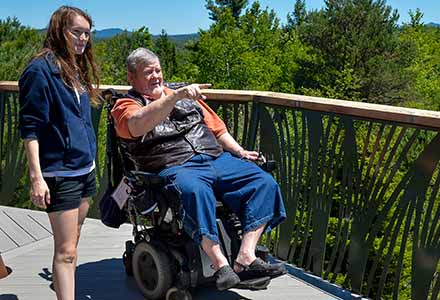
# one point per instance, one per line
(127, 260)
(178, 294)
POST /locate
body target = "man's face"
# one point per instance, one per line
(148, 80)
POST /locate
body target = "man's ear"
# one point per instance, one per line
(130, 77)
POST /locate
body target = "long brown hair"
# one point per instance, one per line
(76, 70)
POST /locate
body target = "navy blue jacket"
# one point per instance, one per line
(50, 112)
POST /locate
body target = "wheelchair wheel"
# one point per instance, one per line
(151, 270)
(178, 294)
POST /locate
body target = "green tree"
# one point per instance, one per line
(255, 55)
(218, 7)
(416, 17)
(298, 16)
(112, 54)
(421, 44)
(166, 51)
(293, 61)
(17, 46)
(218, 53)
(362, 36)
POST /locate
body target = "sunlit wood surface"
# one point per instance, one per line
(26, 247)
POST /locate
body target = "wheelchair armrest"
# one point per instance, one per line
(148, 179)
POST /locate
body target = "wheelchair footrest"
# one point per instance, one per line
(254, 283)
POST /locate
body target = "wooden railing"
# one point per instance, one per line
(360, 183)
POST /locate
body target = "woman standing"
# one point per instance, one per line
(55, 123)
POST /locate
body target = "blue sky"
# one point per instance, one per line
(175, 16)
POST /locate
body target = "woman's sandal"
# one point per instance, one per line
(260, 268)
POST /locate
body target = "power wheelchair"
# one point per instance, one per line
(163, 259)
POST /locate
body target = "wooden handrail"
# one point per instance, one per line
(8, 86)
(410, 116)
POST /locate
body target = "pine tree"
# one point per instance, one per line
(298, 16)
(166, 51)
(359, 38)
(218, 7)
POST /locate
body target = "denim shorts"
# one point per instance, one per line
(66, 192)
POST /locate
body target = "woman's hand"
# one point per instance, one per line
(40, 194)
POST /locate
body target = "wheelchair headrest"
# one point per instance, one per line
(110, 97)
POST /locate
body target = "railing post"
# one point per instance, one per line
(253, 128)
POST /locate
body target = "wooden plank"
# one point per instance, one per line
(26, 249)
(118, 88)
(6, 243)
(411, 116)
(230, 95)
(38, 216)
(9, 86)
(416, 117)
(14, 231)
(27, 223)
(43, 220)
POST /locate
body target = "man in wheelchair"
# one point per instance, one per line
(175, 134)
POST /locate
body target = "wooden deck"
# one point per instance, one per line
(26, 246)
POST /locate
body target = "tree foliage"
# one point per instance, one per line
(166, 51)
(218, 7)
(298, 16)
(349, 49)
(358, 39)
(422, 45)
(17, 45)
(253, 55)
(112, 54)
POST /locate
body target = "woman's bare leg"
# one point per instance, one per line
(82, 214)
(66, 227)
(65, 233)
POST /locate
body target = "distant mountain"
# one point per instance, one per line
(106, 33)
(432, 24)
(178, 39)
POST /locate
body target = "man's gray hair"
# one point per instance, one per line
(140, 56)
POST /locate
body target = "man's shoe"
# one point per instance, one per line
(260, 268)
(226, 278)
(254, 284)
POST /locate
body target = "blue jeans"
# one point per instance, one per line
(251, 193)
